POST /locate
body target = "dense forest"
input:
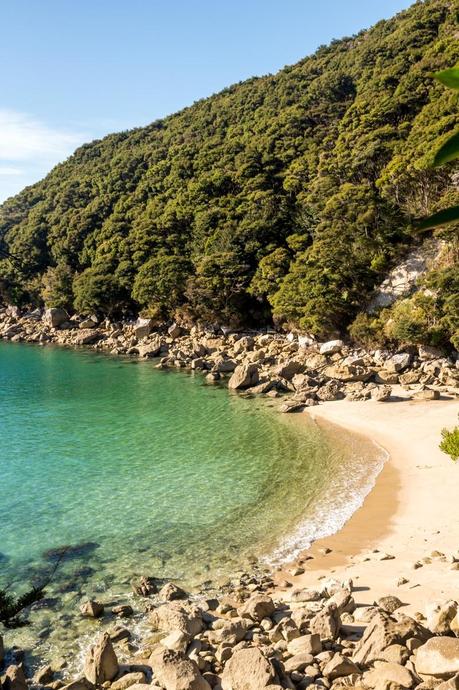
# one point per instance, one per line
(284, 198)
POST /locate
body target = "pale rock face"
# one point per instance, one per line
(172, 592)
(142, 328)
(398, 362)
(305, 644)
(388, 675)
(247, 669)
(381, 393)
(129, 680)
(244, 376)
(101, 664)
(383, 631)
(331, 347)
(438, 657)
(258, 607)
(326, 623)
(440, 616)
(177, 615)
(339, 666)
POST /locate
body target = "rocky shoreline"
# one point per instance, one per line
(304, 372)
(256, 632)
(255, 635)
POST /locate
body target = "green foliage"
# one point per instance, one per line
(282, 197)
(450, 443)
(449, 77)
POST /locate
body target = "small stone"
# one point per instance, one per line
(92, 609)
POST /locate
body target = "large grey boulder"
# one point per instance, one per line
(142, 328)
(248, 669)
(55, 317)
(244, 376)
(438, 657)
(101, 664)
(174, 671)
(398, 362)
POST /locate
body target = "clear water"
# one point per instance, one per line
(153, 472)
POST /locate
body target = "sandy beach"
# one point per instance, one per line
(412, 511)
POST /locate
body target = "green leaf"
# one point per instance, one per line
(448, 215)
(448, 77)
(448, 152)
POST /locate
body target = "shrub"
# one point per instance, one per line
(450, 443)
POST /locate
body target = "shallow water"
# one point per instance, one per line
(152, 472)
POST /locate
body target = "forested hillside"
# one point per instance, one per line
(286, 197)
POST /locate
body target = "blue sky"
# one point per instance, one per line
(74, 70)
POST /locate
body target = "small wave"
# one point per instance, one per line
(334, 507)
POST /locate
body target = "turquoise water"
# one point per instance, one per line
(152, 472)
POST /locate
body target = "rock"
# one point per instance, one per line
(55, 317)
(177, 640)
(2, 651)
(305, 644)
(451, 684)
(123, 611)
(440, 616)
(258, 607)
(149, 350)
(288, 370)
(389, 603)
(247, 669)
(398, 362)
(87, 323)
(426, 394)
(118, 633)
(145, 586)
(339, 666)
(326, 623)
(87, 336)
(395, 654)
(381, 393)
(128, 680)
(305, 594)
(438, 657)
(14, 678)
(174, 671)
(174, 331)
(142, 328)
(382, 631)
(330, 347)
(386, 377)
(388, 676)
(347, 373)
(330, 391)
(244, 376)
(171, 592)
(427, 352)
(298, 662)
(92, 609)
(44, 675)
(101, 663)
(177, 616)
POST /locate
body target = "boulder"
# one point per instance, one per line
(87, 323)
(398, 362)
(174, 331)
(145, 586)
(101, 664)
(347, 373)
(287, 370)
(55, 317)
(142, 328)
(426, 394)
(87, 336)
(259, 606)
(44, 675)
(440, 617)
(177, 616)
(338, 667)
(14, 678)
(149, 350)
(330, 391)
(244, 376)
(427, 352)
(305, 644)
(298, 662)
(171, 592)
(248, 669)
(2, 651)
(389, 603)
(326, 623)
(330, 347)
(174, 671)
(92, 609)
(388, 676)
(176, 640)
(381, 393)
(451, 684)
(128, 680)
(382, 631)
(438, 657)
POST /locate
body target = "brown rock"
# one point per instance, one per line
(382, 631)
(305, 644)
(44, 675)
(145, 586)
(174, 671)
(14, 678)
(388, 676)
(339, 666)
(438, 657)
(389, 604)
(298, 662)
(128, 680)
(101, 663)
(244, 376)
(177, 616)
(258, 607)
(92, 609)
(326, 623)
(171, 592)
(247, 669)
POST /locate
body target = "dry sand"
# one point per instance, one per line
(412, 511)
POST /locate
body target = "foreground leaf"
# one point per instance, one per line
(448, 215)
(448, 152)
(448, 77)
